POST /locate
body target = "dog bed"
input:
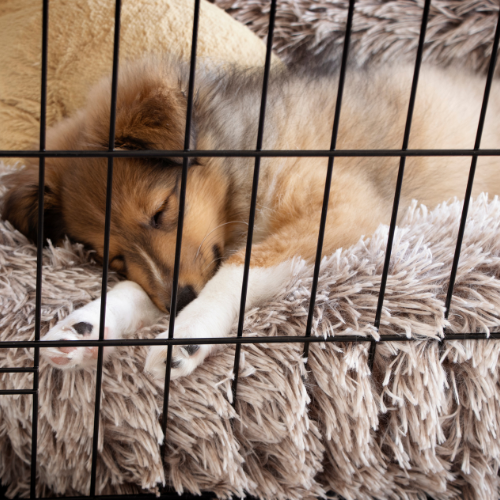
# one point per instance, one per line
(459, 32)
(425, 422)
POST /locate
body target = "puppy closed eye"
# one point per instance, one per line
(156, 219)
(165, 217)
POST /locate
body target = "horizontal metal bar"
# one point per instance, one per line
(18, 370)
(8, 392)
(234, 340)
(251, 153)
(133, 496)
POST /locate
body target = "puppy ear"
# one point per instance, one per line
(153, 118)
(21, 204)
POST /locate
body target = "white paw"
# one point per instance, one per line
(193, 322)
(82, 324)
(213, 313)
(185, 358)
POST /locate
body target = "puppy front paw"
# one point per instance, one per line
(82, 324)
(194, 322)
(185, 358)
(210, 315)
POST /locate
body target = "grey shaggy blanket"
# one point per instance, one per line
(459, 32)
(425, 422)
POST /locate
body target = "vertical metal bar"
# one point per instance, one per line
(39, 250)
(328, 181)
(472, 171)
(107, 230)
(253, 203)
(399, 182)
(180, 220)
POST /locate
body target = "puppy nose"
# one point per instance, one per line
(185, 295)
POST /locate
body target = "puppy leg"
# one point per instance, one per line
(216, 309)
(214, 312)
(128, 308)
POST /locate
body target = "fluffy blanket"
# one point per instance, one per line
(459, 31)
(80, 51)
(427, 421)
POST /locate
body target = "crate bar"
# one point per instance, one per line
(10, 344)
(107, 230)
(328, 182)
(171, 495)
(399, 182)
(6, 392)
(251, 153)
(253, 203)
(180, 219)
(39, 250)
(18, 370)
(472, 171)
(129, 496)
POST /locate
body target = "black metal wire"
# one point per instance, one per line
(18, 370)
(172, 495)
(39, 253)
(249, 153)
(235, 340)
(180, 219)
(5, 392)
(328, 182)
(253, 202)
(107, 230)
(472, 171)
(11, 344)
(399, 182)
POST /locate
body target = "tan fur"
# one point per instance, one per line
(151, 115)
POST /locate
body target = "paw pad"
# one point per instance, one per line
(83, 328)
(176, 363)
(191, 349)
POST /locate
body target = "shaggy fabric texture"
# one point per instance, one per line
(459, 31)
(427, 421)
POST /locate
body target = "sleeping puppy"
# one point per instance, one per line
(151, 113)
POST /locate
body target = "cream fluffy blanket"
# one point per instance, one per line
(424, 423)
(80, 51)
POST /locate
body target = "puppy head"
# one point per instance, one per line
(145, 207)
(151, 112)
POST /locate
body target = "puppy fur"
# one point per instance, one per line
(151, 113)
